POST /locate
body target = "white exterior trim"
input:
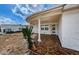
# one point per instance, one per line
(39, 39)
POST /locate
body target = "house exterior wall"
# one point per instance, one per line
(60, 29)
(35, 28)
(13, 28)
(70, 31)
(1, 31)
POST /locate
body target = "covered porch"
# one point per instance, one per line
(47, 25)
(46, 22)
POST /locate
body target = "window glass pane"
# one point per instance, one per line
(42, 28)
(53, 25)
(53, 28)
(3, 30)
(0, 30)
(46, 28)
(42, 25)
(53, 31)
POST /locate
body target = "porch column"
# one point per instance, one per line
(39, 40)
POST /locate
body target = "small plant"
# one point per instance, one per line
(27, 32)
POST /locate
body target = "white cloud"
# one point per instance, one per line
(6, 20)
(24, 10)
(15, 12)
(35, 5)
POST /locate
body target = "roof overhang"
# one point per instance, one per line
(46, 16)
(50, 19)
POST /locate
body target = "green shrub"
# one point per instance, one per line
(27, 32)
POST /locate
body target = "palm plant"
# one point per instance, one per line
(27, 32)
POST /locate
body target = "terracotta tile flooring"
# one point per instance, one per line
(51, 45)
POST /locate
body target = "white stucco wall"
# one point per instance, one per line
(35, 28)
(60, 29)
(70, 31)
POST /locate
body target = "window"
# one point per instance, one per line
(4, 30)
(53, 25)
(42, 28)
(0, 29)
(46, 28)
(42, 25)
(53, 31)
(46, 25)
(53, 28)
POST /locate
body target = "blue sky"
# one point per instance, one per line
(18, 12)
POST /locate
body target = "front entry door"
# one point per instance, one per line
(53, 29)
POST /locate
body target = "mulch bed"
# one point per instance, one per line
(42, 50)
(50, 45)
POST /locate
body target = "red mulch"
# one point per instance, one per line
(51, 45)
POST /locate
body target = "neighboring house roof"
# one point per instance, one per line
(13, 25)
